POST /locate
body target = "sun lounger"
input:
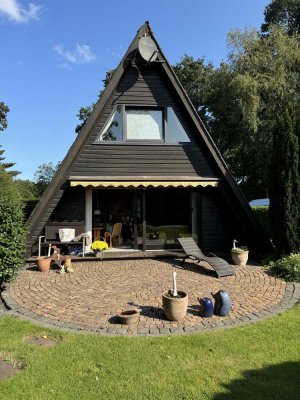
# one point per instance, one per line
(193, 252)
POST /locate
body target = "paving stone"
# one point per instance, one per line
(143, 331)
(164, 331)
(90, 298)
(154, 331)
(189, 328)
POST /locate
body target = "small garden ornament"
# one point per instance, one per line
(222, 303)
(206, 307)
(239, 254)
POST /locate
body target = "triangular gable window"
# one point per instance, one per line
(175, 132)
(113, 129)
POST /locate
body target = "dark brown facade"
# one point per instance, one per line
(191, 172)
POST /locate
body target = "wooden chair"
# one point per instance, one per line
(115, 234)
(193, 252)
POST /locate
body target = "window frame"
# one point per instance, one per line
(125, 140)
(146, 108)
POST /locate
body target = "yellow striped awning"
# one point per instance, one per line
(144, 184)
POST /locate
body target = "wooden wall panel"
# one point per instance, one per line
(147, 88)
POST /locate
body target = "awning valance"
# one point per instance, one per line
(144, 184)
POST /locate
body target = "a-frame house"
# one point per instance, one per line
(145, 159)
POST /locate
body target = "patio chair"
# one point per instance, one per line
(116, 233)
(193, 252)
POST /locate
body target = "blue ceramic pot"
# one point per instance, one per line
(222, 303)
(206, 307)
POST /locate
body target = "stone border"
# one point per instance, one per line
(290, 299)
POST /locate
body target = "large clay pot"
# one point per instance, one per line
(175, 307)
(241, 258)
(43, 264)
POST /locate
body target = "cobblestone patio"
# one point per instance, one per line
(90, 298)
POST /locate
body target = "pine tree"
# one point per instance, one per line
(284, 184)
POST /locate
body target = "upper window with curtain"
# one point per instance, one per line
(143, 124)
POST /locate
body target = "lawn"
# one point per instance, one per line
(259, 361)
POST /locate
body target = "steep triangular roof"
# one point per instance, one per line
(54, 192)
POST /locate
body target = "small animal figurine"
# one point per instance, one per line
(222, 303)
(68, 265)
(57, 256)
(206, 307)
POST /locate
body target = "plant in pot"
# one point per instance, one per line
(43, 263)
(175, 302)
(239, 254)
(98, 246)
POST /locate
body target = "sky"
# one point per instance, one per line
(54, 55)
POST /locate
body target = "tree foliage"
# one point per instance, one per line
(3, 115)
(12, 228)
(85, 112)
(43, 176)
(283, 13)
(284, 186)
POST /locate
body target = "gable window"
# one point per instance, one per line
(144, 123)
(175, 132)
(148, 124)
(113, 129)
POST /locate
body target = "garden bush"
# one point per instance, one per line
(261, 213)
(12, 229)
(29, 206)
(287, 268)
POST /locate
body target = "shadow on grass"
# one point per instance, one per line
(279, 381)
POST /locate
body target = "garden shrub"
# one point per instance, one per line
(29, 206)
(12, 229)
(287, 268)
(261, 213)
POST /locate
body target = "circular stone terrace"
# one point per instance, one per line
(90, 298)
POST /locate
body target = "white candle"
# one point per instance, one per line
(174, 284)
(49, 250)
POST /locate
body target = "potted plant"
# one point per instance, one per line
(239, 254)
(43, 263)
(175, 303)
(98, 246)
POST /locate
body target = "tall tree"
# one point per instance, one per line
(283, 13)
(267, 86)
(4, 110)
(3, 115)
(284, 187)
(43, 176)
(12, 229)
(195, 76)
(85, 112)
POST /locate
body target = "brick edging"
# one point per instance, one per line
(290, 299)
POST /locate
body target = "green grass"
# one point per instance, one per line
(259, 361)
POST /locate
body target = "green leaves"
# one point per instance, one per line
(12, 229)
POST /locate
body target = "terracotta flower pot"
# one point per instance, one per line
(129, 317)
(175, 307)
(43, 264)
(240, 258)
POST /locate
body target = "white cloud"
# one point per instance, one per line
(16, 12)
(81, 55)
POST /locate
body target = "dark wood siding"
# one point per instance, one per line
(218, 226)
(147, 88)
